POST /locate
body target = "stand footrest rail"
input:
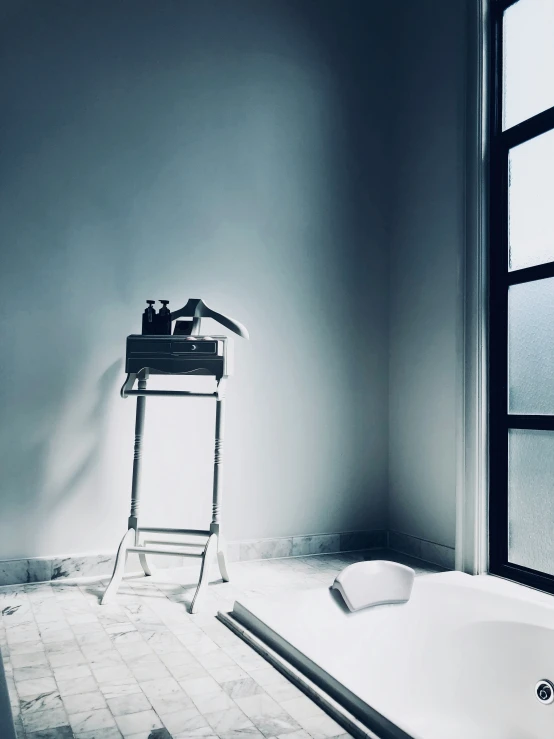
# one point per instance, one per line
(164, 550)
(188, 532)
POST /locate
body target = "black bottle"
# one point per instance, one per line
(149, 319)
(164, 319)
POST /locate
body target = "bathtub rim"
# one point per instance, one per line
(351, 712)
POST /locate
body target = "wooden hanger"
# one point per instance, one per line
(197, 309)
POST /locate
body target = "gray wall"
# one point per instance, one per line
(230, 151)
(426, 247)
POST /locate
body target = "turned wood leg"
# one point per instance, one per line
(131, 537)
(119, 568)
(137, 464)
(209, 551)
(137, 456)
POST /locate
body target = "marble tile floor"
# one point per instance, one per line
(144, 668)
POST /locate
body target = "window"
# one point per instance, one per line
(521, 370)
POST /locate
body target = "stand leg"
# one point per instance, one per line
(209, 551)
(218, 464)
(137, 457)
(137, 462)
(119, 567)
(131, 537)
(221, 559)
(218, 458)
(147, 566)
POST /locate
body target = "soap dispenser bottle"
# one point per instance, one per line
(164, 319)
(149, 319)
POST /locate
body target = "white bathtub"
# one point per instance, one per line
(460, 660)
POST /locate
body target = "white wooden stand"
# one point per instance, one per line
(211, 542)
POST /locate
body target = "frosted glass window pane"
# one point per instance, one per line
(531, 348)
(530, 202)
(531, 499)
(528, 60)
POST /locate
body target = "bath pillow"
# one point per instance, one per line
(366, 584)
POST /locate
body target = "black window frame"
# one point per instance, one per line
(500, 280)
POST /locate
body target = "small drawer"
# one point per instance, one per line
(193, 347)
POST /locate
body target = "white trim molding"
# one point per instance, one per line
(472, 432)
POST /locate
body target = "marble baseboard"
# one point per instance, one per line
(18, 571)
(297, 546)
(43, 569)
(428, 551)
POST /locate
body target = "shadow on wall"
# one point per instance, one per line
(93, 426)
(40, 469)
(177, 150)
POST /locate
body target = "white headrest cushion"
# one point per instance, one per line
(373, 583)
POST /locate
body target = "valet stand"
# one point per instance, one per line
(182, 355)
(212, 540)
